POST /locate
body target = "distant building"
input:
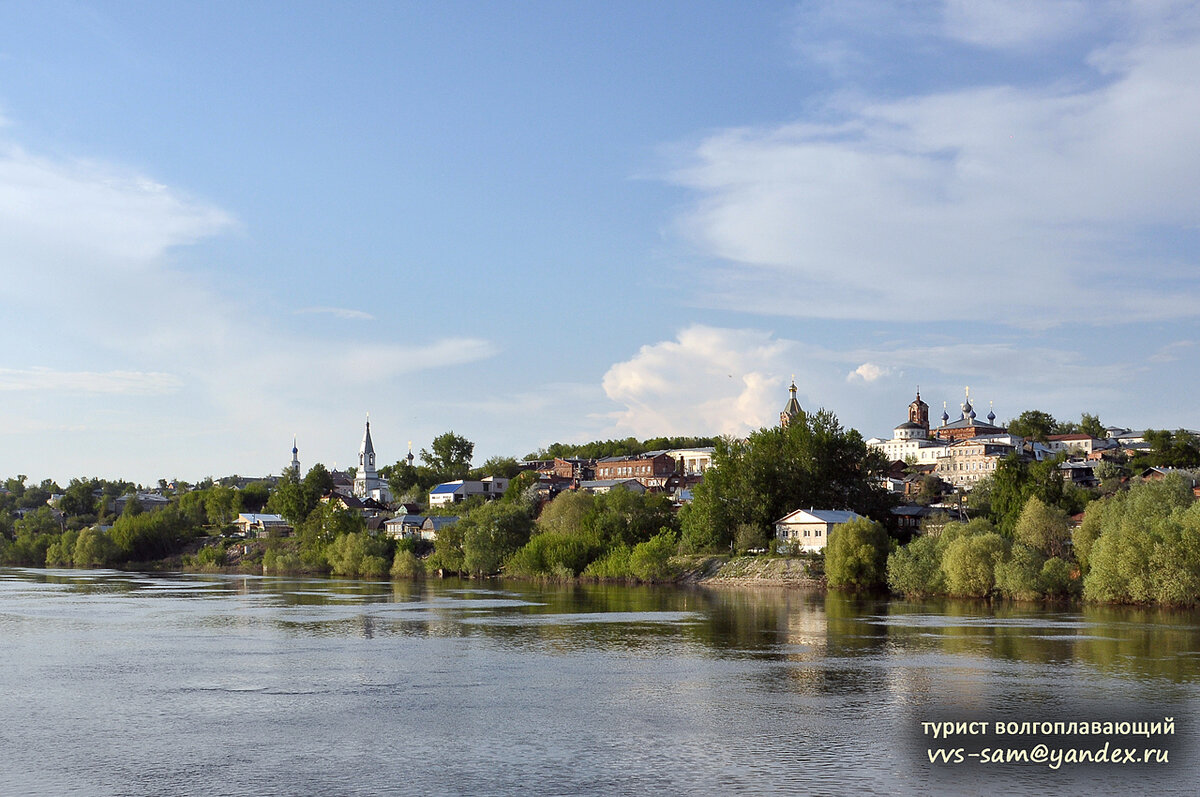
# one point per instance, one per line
(367, 483)
(968, 461)
(404, 526)
(910, 440)
(150, 502)
(490, 487)
(792, 409)
(262, 525)
(652, 469)
(602, 486)
(967, 426)
(808, 529)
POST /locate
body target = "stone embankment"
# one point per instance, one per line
(757, 571)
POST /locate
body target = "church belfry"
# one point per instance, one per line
(366, 480)
(295, 466)
(918, 412)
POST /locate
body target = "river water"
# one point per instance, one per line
(117, 683)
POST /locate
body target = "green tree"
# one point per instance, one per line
(1033, 425)
(1016, 480)
(1020, 576)
(856, 555)
(1042, 528)
(1148, 546)
(566, 513)
(507, 467)
(915, 569)
(969, 563)
(325, 524)
(1090, 425)
(492, 533)
(222, 505)
(519, 489)
(448, 550)
(750, 537)
(811, 462)
(626, 517)
(255, 496)
(295, 499)
(449, 456)
(359, 554)
(651, 560)
(93, 548)
(78, 499)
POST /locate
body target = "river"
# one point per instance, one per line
(117, 683)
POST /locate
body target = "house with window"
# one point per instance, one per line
(490, 487)
(262, 525)
(808, 529)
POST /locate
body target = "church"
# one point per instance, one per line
(367, 482)
(968, 425)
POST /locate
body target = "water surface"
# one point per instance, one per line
(116, 683)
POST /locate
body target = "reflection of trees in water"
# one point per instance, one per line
(1147, 642)
(822, 642)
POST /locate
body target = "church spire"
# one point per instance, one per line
(295, 466)
(792, 408)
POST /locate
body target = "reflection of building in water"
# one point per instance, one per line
(807, 627)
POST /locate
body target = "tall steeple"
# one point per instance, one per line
(295, 466)
(366, 480)
(792, 409)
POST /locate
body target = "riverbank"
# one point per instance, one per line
(757, 571)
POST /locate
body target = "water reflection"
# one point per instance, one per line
(800, 628)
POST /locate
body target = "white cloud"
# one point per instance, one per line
(706, 381)
(729, 381)
(1021, 198)
(867, 372)
(1016, 23)
(113, 382)
(337, 312)
(89, 290)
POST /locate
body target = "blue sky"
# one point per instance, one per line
(222, 224)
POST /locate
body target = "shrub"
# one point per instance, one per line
(856, 555)
(1020, 577)
(650, 560)
(969, 563)
(915, 569)
(407, 565)
(613, 565)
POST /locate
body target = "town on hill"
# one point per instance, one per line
(1034, 508)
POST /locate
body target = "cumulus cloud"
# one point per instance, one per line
(706, 381)
(1021, 196)
(711, 380)
(867, 372)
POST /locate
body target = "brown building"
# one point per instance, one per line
(967, 426)
(651, 469)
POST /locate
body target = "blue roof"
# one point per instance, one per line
(448, 487)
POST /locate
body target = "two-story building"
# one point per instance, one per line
(808, 529)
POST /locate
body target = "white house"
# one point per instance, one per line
(489, 487)
(808, 529)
